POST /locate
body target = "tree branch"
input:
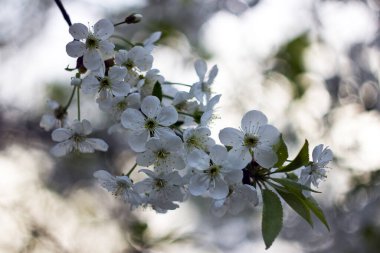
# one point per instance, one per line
(63, 11)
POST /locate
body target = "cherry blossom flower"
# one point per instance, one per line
(210, 172)
(107, 86)
(138, 57)
(120, 186)
(239, 196)
(202, 89)
(316, 171)
(74, 138)
(255, 140)
(56, 117)
(95, 47)
(164, 152)
(162, 189)
(197, 138)
(152, 121)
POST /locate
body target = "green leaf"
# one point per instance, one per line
(281, 151)
(292, 176)
(302, 159)
(314, 207)
(292, 185)
(296, 203)
(157, 90)
(272, 217)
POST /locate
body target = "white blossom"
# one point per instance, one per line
(210, 172)
(95, 47)
(120, 186)
(239, 196)
(117, 105)
(149, 42)
(147, 83)
(197, 138)
(255, 136)
(74, 138)
(152, 121)
(316, 171)
(56, 117)
(106, 86)
(164, 152)
(202, 89)
(162, 189)
(138, 57)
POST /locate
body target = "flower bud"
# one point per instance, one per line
(76, 81)
(133, 18)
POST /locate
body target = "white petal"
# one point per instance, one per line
(121, 57)
(87, 128)
(151, 106)
(155, 144)
(137, 140)
(201, 68)
(61, 134)
(48, 122)
(268, 135)
(198, 184)
(212, 75)
(90, 85)
(172, 162)
(266, 157)
(146, 158)
(239, 158)
(218, 188)
(106, 48)
(103, 175)
(317, 152)
(252, 120)
(78, 31)
(163, 131)
(117, 73)
(234, 176)
(218, 154)
(167, 116)
(172, 143)
(218, 208)
(98, 144)
(231, 137)
(85, 147)
(325, 157)
(198, 159)
(103, 29)
(132, 119)
(92, 59)
(75, 48)
(63, 148)
(120, 88)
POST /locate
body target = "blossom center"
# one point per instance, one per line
(160, 183)
(121, 106)
(162, 154)
(121, 186)
(92, 42)
(251, 141)
(129, 64)
(213, 170)
(78, 138)
(150, 124)
(105, 83)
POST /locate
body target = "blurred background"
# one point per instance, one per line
(311, 66)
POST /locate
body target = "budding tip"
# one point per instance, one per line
(133, 18)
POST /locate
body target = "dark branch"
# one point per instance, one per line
(64, 13)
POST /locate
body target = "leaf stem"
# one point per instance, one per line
(187, 114)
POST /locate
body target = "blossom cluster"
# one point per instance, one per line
(170, 135)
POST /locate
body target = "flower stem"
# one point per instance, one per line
(183, 84)
(70, 99)
(167, 96)
(187, 114)
(131, 170)
(78, 103)
(123, 39)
